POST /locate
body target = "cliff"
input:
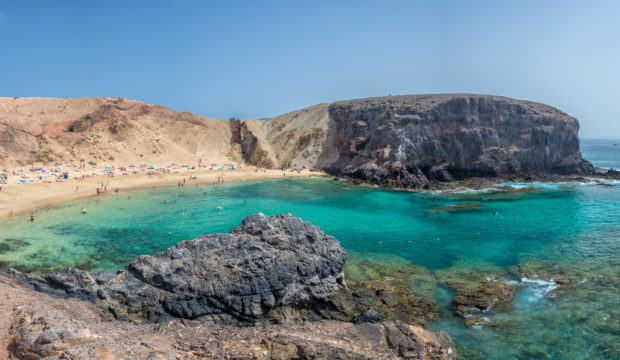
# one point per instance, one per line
(410, 140)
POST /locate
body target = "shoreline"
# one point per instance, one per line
(23, 198)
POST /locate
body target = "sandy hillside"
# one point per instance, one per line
(106, 130)
(297, 138)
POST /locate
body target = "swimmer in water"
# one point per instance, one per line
(83, 211)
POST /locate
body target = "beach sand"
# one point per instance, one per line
(22, 198)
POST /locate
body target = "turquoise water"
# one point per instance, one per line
(452, 238)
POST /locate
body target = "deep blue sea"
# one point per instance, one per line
(434, 242)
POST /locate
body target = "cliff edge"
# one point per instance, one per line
(407, 141)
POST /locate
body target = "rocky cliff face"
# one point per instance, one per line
(411, 140)
(252, 147)
(404, 140)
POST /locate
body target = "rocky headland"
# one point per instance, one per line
(270, 274)
(411, 141)
(416, 141)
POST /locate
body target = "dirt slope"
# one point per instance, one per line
(106, 130)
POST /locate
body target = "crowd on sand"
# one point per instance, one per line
(60, 172)
(61, 182)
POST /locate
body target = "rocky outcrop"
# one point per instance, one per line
(411, 140)
(472, 304)
(48, 332)
(277, 271)
(252, 147)
(297, 138)
(266, 263)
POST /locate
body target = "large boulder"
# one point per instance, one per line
(239, 278)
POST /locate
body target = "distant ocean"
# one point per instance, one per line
(602, 153)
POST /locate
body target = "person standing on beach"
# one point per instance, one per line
(11, 213)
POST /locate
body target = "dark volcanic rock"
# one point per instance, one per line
(237, 278)
(406, 140)
(275, 269)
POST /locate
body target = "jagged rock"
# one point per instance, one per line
(270, 271)
(237, 278)
(52, 332)
(251, 146)
(275, 269)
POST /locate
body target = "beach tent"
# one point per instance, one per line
(152, 167)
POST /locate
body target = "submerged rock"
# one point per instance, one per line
(478, 291)
(471, 304)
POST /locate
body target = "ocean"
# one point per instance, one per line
(434, 242)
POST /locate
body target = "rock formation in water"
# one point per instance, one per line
(267, 271)
(407, 141)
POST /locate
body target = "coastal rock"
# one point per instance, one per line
(237, 278)
(275, 272)
(471, 304)
(451, 136)
(56, 332)
(415, 141)
(478, 291)
(275, 269)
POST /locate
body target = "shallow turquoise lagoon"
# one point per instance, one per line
(551, 229)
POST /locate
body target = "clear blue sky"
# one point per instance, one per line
(263, 58)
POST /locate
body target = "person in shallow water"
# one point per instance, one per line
(32, 216)
(83, 211)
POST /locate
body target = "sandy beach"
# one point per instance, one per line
(28, 197)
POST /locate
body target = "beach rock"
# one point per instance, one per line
(275, 272)
(268, 270)
(265, 263)
(55, 332)
(376, 300)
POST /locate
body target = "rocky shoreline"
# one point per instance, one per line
(270, 274)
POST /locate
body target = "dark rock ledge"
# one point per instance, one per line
(270, 271)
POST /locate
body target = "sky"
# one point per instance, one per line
(255, 59)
